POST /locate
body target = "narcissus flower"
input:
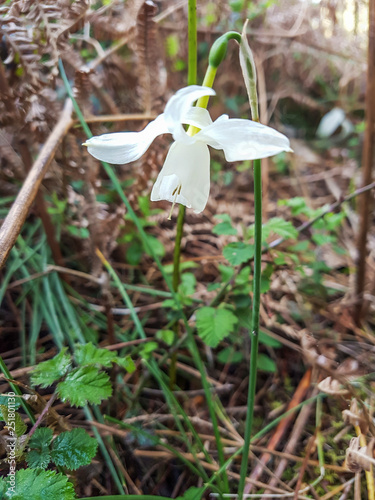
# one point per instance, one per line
(185, 176)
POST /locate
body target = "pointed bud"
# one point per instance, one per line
(249, 73)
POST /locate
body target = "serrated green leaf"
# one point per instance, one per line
(38, 459)
(41, 438)
(13, 420)
(238, 252)
(36, 484)
(282, 227)
(266, 364)
(73, 449)
(47, 372)
(85, 385)
(214, 325)
(127, 363)
(88, 354)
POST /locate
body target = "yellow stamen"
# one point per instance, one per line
(175, 193)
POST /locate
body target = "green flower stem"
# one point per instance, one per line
(16, 390)
(192, 34)
(254, 334)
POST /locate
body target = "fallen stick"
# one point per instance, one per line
(16, 217)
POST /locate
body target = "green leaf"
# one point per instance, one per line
(127, 363)
(156, 245)
(297, 205)
(88, 354)
(36, 484)
(85, 385)
(229, 355)
(266, 364)
(134, 253)
(226, 272)
(188, 284)
(148, 349)
(224, 227)
(42, 437)
(214, 325)
(192, 493)
(15, 400)
(39, 455)
(282, 227)
(238, 252)
(38, 459)
(73, 449)
(166, 336)
(13, 420)
(47, 372)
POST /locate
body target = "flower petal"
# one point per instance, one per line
(243, 139)
(177, 109)
(185, 176)
(125, 147)
(198, 117)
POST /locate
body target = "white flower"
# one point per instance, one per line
(185, 176)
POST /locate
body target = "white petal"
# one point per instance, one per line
(177, 109)
(243, 139)
(124, 147)
(187, 166)
(198, 117)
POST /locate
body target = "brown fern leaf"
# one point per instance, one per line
(114, 23)
(148, 54)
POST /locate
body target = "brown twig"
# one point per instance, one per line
(13, 223)
(367, 166)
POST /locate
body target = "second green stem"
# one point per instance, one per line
(254, 333)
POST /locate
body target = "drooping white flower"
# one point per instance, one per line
(185, 176)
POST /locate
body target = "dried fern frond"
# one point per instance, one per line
(146, 50)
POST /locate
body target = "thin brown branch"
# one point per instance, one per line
(13, 222)
(367, 166)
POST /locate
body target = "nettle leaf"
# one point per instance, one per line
(42, 437)
(38, 459)
(88, 354)
(238, 252)
(127, 363)
(39, 485)
(214, 325)
(85, 385)
(224, 227)
(266, 364)
(73, 449)
(47, 372)
(15, 423)
(282, 227)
